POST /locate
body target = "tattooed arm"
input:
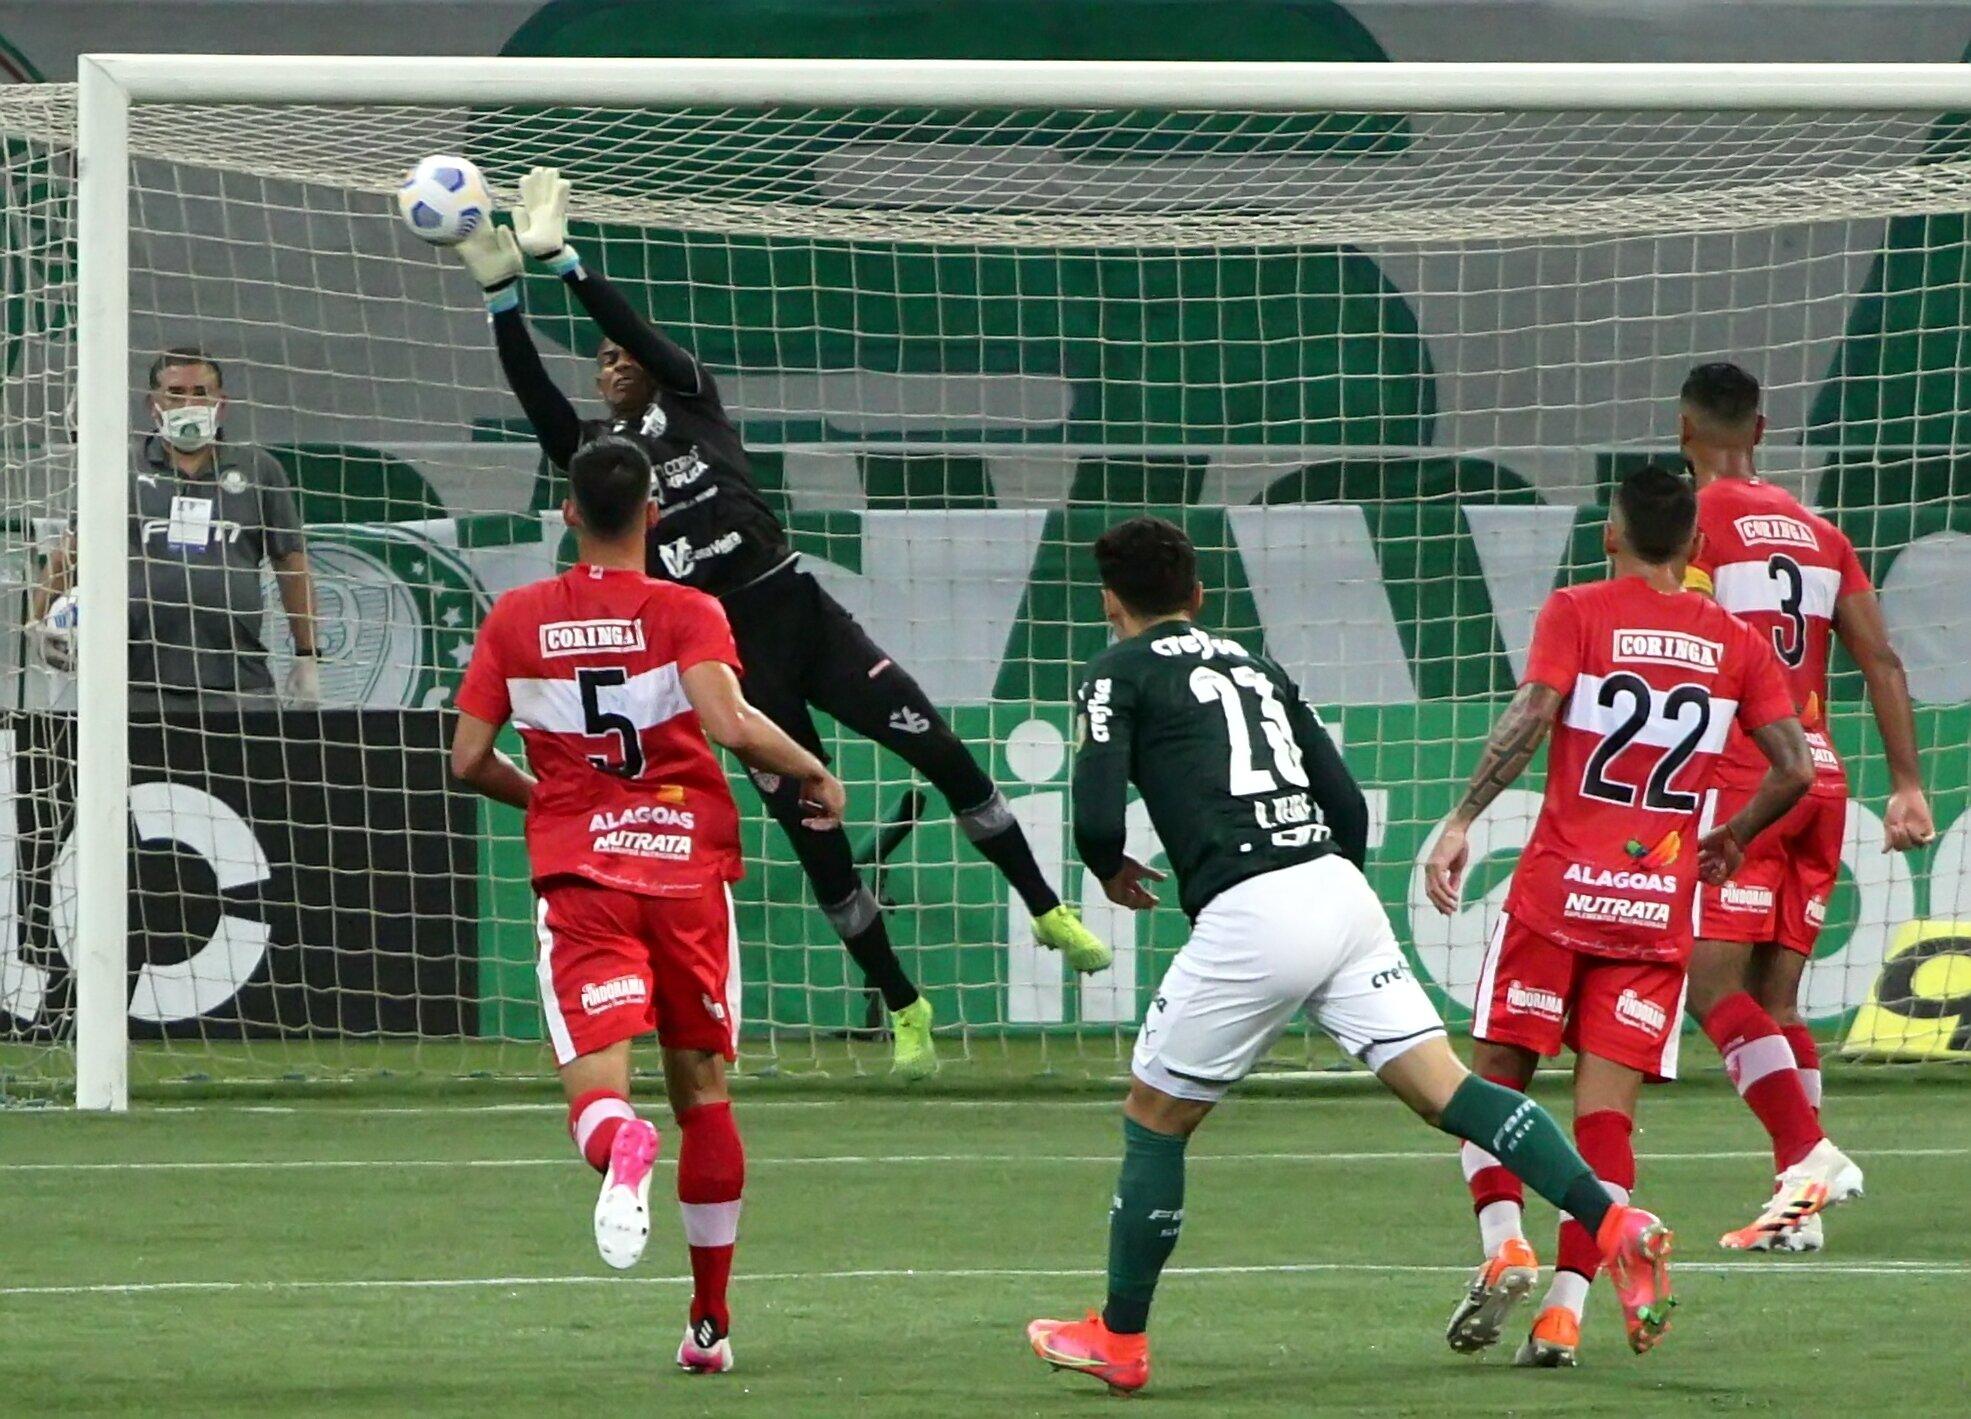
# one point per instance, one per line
(1508, 750)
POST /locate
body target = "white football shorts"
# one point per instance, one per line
(1310, 937)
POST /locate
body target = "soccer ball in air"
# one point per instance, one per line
(444, 200)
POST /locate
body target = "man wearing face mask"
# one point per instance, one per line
(204, 515)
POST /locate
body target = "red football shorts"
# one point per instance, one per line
(1539, 994)
(1780, 893)
(615, 964)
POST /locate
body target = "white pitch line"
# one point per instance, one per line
(1754, 1270)
(847, 1160)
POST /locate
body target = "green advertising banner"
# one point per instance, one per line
(1452, 618)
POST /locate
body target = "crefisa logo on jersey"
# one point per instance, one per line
(1770, 527)
(1200, 643)
(1668, 648)
(1097, 712)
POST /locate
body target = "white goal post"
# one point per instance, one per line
(112, 86)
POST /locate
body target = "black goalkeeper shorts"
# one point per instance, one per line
(799, 647)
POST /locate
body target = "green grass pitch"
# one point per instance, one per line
(427, 1252)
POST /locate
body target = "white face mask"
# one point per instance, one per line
(190, 427)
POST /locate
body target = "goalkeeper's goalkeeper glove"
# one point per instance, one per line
(541, 220)
(493, 258)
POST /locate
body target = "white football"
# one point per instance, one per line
(444, 200)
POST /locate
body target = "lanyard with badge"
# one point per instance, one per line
(190, 525)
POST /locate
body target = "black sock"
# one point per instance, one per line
(996, 835)
(859, 921)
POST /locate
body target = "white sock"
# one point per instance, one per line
(1810, 1086)
(1498, 1223)
(1569, 1289)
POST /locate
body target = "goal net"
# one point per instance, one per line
(1382, 362)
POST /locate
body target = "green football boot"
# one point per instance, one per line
(1061, 930)
(913, 1055)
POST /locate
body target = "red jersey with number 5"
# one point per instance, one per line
(1782, 569)
(588, 667)
(1651, 684)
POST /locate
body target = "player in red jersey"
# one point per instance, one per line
(1793, 576)
(1640, 683)
(614, 680)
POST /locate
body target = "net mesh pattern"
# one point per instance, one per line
(1383, 367)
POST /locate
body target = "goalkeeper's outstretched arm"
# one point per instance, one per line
(669, 363)
(493, 258)
(556, 425)
(540, 223)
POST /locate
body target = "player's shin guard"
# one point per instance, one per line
(1760, 1062)
(1806, 1060)
(858, 920)
(711, 1177)
(992, 829)
(593, 1121)
(1497, 1196)
(1606, 1143)
(1524, 1137)
(1144, 1220)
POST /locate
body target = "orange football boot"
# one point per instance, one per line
(1122, 1362)
(1556, 1336)
(1504, 1281)
(1635, 1247)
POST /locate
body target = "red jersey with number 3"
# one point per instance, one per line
(1782, 569)
(588, 667)
(1651, 684)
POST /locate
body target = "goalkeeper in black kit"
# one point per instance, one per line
(799, 646)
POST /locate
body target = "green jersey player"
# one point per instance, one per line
(1266, 831)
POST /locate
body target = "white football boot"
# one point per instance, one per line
(704, 1350)
(622, 1211)
(1825, 1178)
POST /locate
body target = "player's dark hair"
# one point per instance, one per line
(609, 479)
(185, 355)
(1723, 393)
(1149, 564)
(1659, 512)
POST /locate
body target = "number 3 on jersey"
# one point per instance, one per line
(597, 721)
(1686, 708)
(1248, 777)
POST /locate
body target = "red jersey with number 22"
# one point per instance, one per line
(588, 667)
(1782, 569)
(1651, 684)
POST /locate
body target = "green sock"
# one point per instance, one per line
(1524, 1137)
(1143, 1223)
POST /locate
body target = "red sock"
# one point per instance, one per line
(1760, 1063)
(1490, 1180)
(711, 1176)
(1806, 1059)
(593, 1120)
(1606, 1141)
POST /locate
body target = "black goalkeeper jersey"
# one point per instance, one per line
(1239, 775)
(714, 531)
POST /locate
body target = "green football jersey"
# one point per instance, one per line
(1239, 775)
